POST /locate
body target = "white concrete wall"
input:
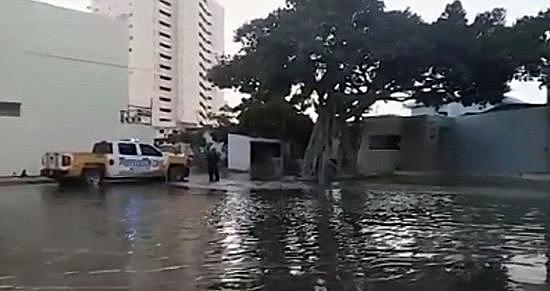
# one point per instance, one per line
(69, 71)
(238, 150)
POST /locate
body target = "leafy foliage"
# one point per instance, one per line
(358, 53)
(274, 119)
(532, 47)
(341, 56)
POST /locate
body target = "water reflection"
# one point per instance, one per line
(357, 237)
(384, 239)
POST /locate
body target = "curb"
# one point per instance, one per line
(24, 181)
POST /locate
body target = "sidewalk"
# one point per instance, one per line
(237, 182)
(10, 181)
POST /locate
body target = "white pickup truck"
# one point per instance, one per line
(115, 160)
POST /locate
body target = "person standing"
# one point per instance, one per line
(213, 160)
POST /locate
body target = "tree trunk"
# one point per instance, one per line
(327, 152)
(315, 149)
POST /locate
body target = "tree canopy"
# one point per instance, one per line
(342, 56)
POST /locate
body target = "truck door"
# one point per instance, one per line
(127, 161)
(106, 149)
(154, 158)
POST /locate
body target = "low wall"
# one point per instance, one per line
(501, 143)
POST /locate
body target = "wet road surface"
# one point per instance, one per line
(359, 237)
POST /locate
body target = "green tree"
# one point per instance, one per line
(532, 48)
(275, 119)
(343, 56)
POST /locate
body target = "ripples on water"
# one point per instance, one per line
(356, 239)
(362, 237)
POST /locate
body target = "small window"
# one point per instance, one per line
(165, 120)
(164, 99)
(166, 46)
(165, 67)
(165, 89)
(103, 148)
(10, 109)
(385, 142)
(165, 2)
(165, 110)
(150, 151)
(164, 56)
(165, 35)
(165, 23)
(127, 149)
(167, 14)
(165, 78)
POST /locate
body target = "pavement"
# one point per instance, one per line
(230, 182)
(9, 181)
(236, 182)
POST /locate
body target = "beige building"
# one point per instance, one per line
(509, 140)
(171, 44)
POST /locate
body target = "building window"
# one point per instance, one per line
(165, 78)
(204, 29)
(165, 35)
(165, 2)
(165, 110)
(207, 98)
(164, 99)
(385, 142)
(208, 61)
(165, 120)
(204, 48)
(165, 67)
(205, 10)
(204, 19)
(204, 38)
(167, 14)
(166, 46)
(165, 23)
(127, 149)
(165, 89)
(164, 56)
(10, 109)
(204, 87)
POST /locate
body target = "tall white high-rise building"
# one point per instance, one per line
(172, 45)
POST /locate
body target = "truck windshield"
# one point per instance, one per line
(103, 148)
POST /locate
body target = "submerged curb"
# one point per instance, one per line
(25, 181)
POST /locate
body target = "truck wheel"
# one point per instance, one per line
(93, 177)
(177, 174)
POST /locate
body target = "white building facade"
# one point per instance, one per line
(171, 44)
(63, 83)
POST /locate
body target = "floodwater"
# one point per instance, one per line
(358, 237)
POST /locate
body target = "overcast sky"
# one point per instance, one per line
(237, 12)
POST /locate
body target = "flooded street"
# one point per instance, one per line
(360, 237)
